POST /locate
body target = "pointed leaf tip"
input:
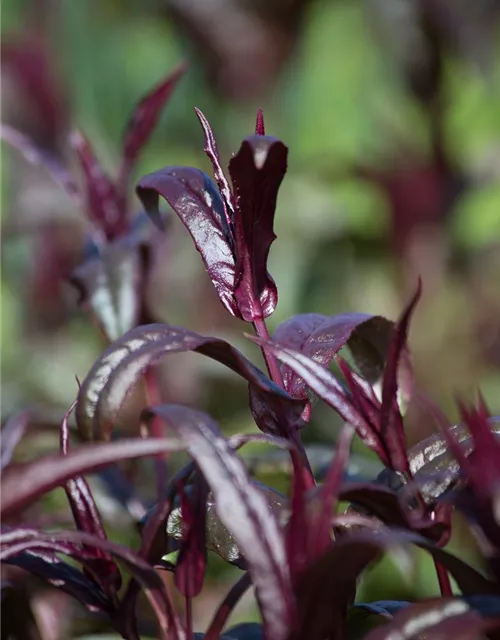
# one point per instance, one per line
(259, 124)
(212, 151)
(144, 118)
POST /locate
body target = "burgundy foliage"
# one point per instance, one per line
(301, 553)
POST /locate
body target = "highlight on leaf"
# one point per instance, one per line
(231, 224)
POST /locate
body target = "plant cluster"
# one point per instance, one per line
(302, 553)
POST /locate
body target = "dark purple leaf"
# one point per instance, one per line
(327, 589)
(434, 619)
(257, 171)
(321, 337)
(152, 583)
(243, 510)
(218, 538)
(24, 483)
(328, 388)
(152, 546)
(44, 157)
(297, 530)
(144, 119)
(482, 466)
(320, 524)
(113, 376)
(195, 199)
(391, 423)
(112, 284)
(87, 518)
(274, 414)
(384, 504)
(192, 560)
(47, 566)
(212, 152)
(105, 206)
(11, 434)
(391, 441)
(434, 468)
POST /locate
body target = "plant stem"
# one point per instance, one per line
(444, 580)
(189, 619)
(260, 328)
(226, 607)
(154, 398)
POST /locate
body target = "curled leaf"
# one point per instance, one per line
(115, 373)
(321, 337)
(257, 171)
(196, 200)
(49, 567)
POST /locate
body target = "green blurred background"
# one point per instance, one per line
(391, 111)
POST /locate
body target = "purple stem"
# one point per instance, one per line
(444, 580)
(260, 328)
(154, 398)
(226, 607)
(189, 619)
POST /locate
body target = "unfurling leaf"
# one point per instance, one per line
(195, 199)
(232, 228)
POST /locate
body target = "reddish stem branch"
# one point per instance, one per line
(260, 328)
(226, 607)
(444, 580)
(153, 397)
